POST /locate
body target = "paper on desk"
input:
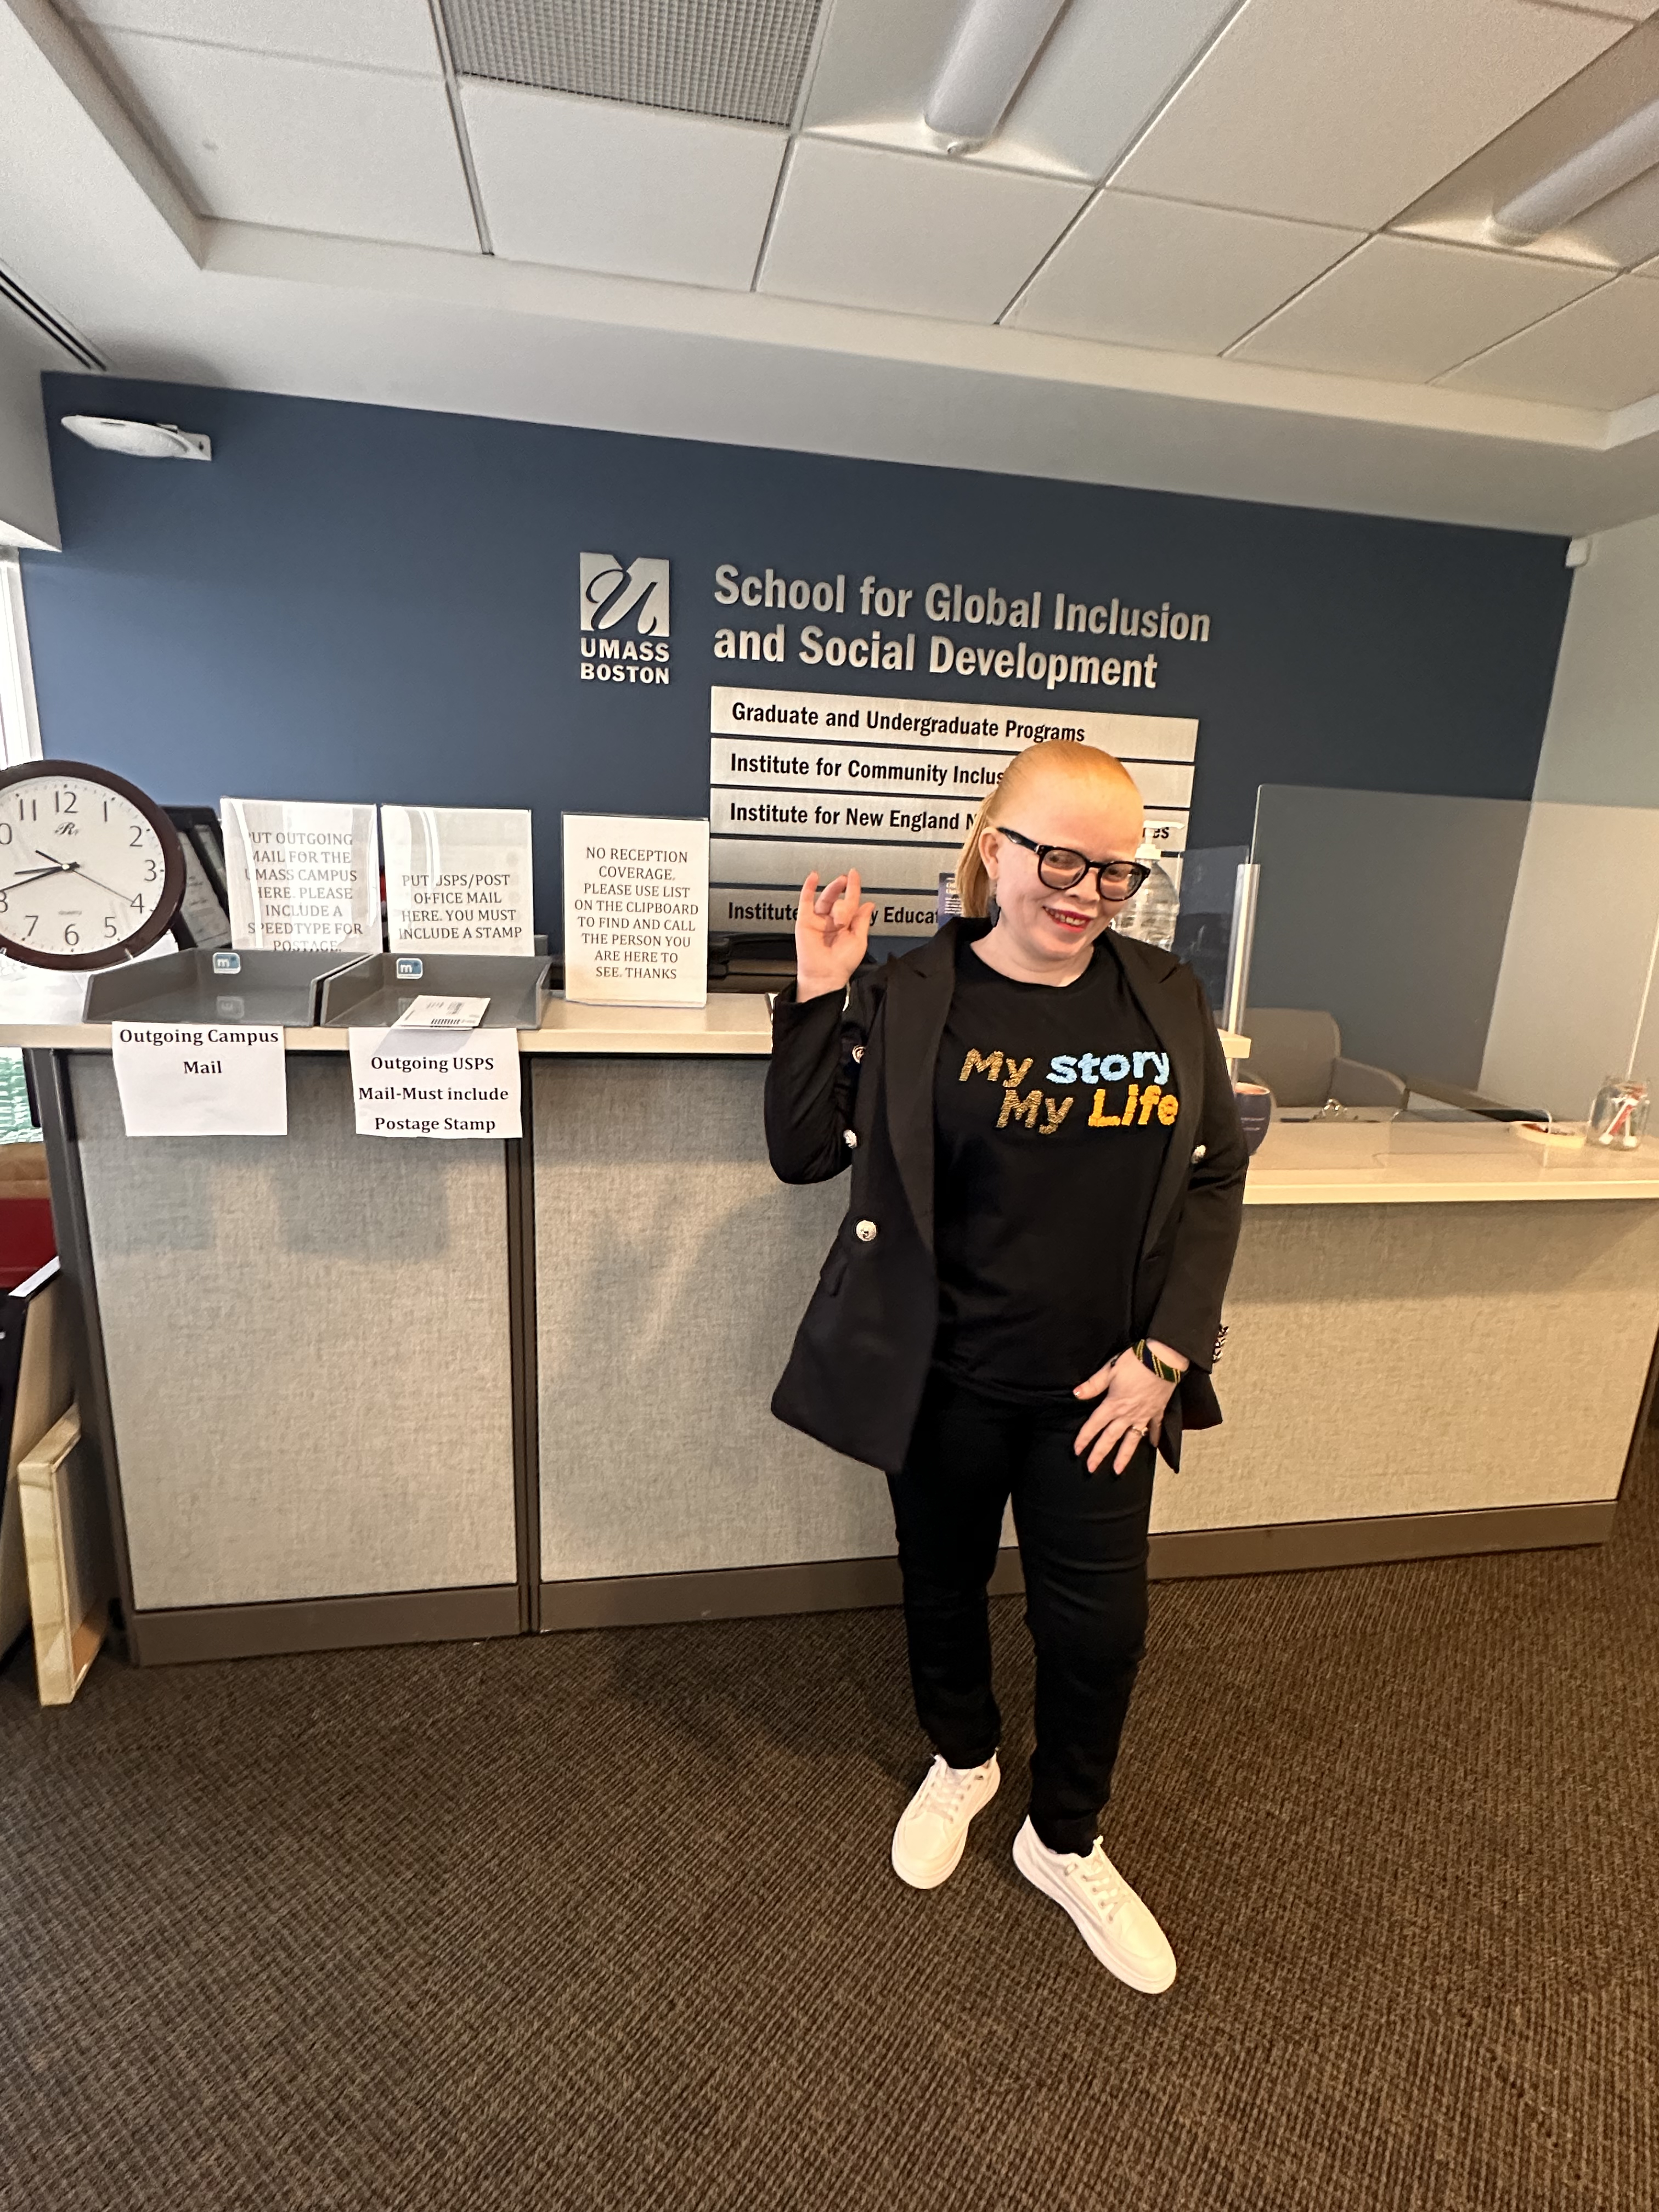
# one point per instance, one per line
(429, 1012)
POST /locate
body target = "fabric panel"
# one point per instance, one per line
(308, 1351)
(1386, 1359)
(671, 1268)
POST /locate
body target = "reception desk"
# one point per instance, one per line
(347, 1390)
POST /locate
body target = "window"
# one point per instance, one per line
(19, 726)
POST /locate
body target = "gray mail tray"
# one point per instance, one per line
(264, 987)
(372, 995)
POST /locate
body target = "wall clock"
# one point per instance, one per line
(91, 872)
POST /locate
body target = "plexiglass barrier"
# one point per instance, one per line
(1441, 956)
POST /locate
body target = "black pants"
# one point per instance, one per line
(1083, 1544)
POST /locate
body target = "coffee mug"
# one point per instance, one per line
(1255, 1111)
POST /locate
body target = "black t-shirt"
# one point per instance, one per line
(1052, 1114)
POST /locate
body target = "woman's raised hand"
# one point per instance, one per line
(832, 935)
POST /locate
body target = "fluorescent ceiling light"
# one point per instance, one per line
(1606, 166)
(145, 441)
(995, 44)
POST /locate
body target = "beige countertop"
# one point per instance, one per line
(1300, 1163)
(1416, 1163)
(738, 1021)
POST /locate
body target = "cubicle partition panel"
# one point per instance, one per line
(1404, 1380)
(671, 1269)
(308, 1360)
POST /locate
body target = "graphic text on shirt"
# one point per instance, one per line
(1138, 1105)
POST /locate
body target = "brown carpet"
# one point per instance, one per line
(606, 1921)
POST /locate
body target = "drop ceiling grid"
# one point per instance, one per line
(1406, 310)
(1282, 117)
(1167, 274)
(865, 227)
(982, 240)
(1600, 352)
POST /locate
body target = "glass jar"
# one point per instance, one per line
(1621, 1113)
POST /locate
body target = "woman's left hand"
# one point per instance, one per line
(1132, 1408)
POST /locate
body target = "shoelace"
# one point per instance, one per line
(1105, 1884)
(947, 1787)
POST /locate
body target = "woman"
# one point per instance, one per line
(1024, 1298)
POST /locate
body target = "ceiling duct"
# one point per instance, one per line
(1594, 173)
(990, 57)
(743, 59)
(1575, 178)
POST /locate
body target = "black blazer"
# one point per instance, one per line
(851, 1084)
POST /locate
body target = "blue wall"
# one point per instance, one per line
(368, 603)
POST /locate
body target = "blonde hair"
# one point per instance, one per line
(1062, 757)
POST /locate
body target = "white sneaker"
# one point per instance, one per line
(932, 1829)
(1116, 1926)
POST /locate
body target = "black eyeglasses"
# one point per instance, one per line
(1063, 869)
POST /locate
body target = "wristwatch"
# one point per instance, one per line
(1144, 1353)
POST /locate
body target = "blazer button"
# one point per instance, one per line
(1199, 1152)
(866, 1232)
(849, 1138)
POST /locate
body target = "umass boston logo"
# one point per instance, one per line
(624, 622)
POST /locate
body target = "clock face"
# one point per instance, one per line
(91, 871)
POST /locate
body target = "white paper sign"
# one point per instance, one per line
(457, 878)
(436, 1083)
(635, 910)
(206, 1079)
(302, 876)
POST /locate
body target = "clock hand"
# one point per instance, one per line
(75, 868)
(72, 868)
(57, 869)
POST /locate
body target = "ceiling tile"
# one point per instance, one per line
(591, 183)
(1628, 11)
(1333, 113)
(389, 35)
(1104, 71)
(1163, 273)
(1406, 310)
(299, 145)
(1602, 352)
(869, 228)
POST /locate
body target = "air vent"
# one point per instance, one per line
(44, 321)
(743, 58)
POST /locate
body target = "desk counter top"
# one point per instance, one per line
(1404, 1162)
(736, 1022)
(1416, 1163)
